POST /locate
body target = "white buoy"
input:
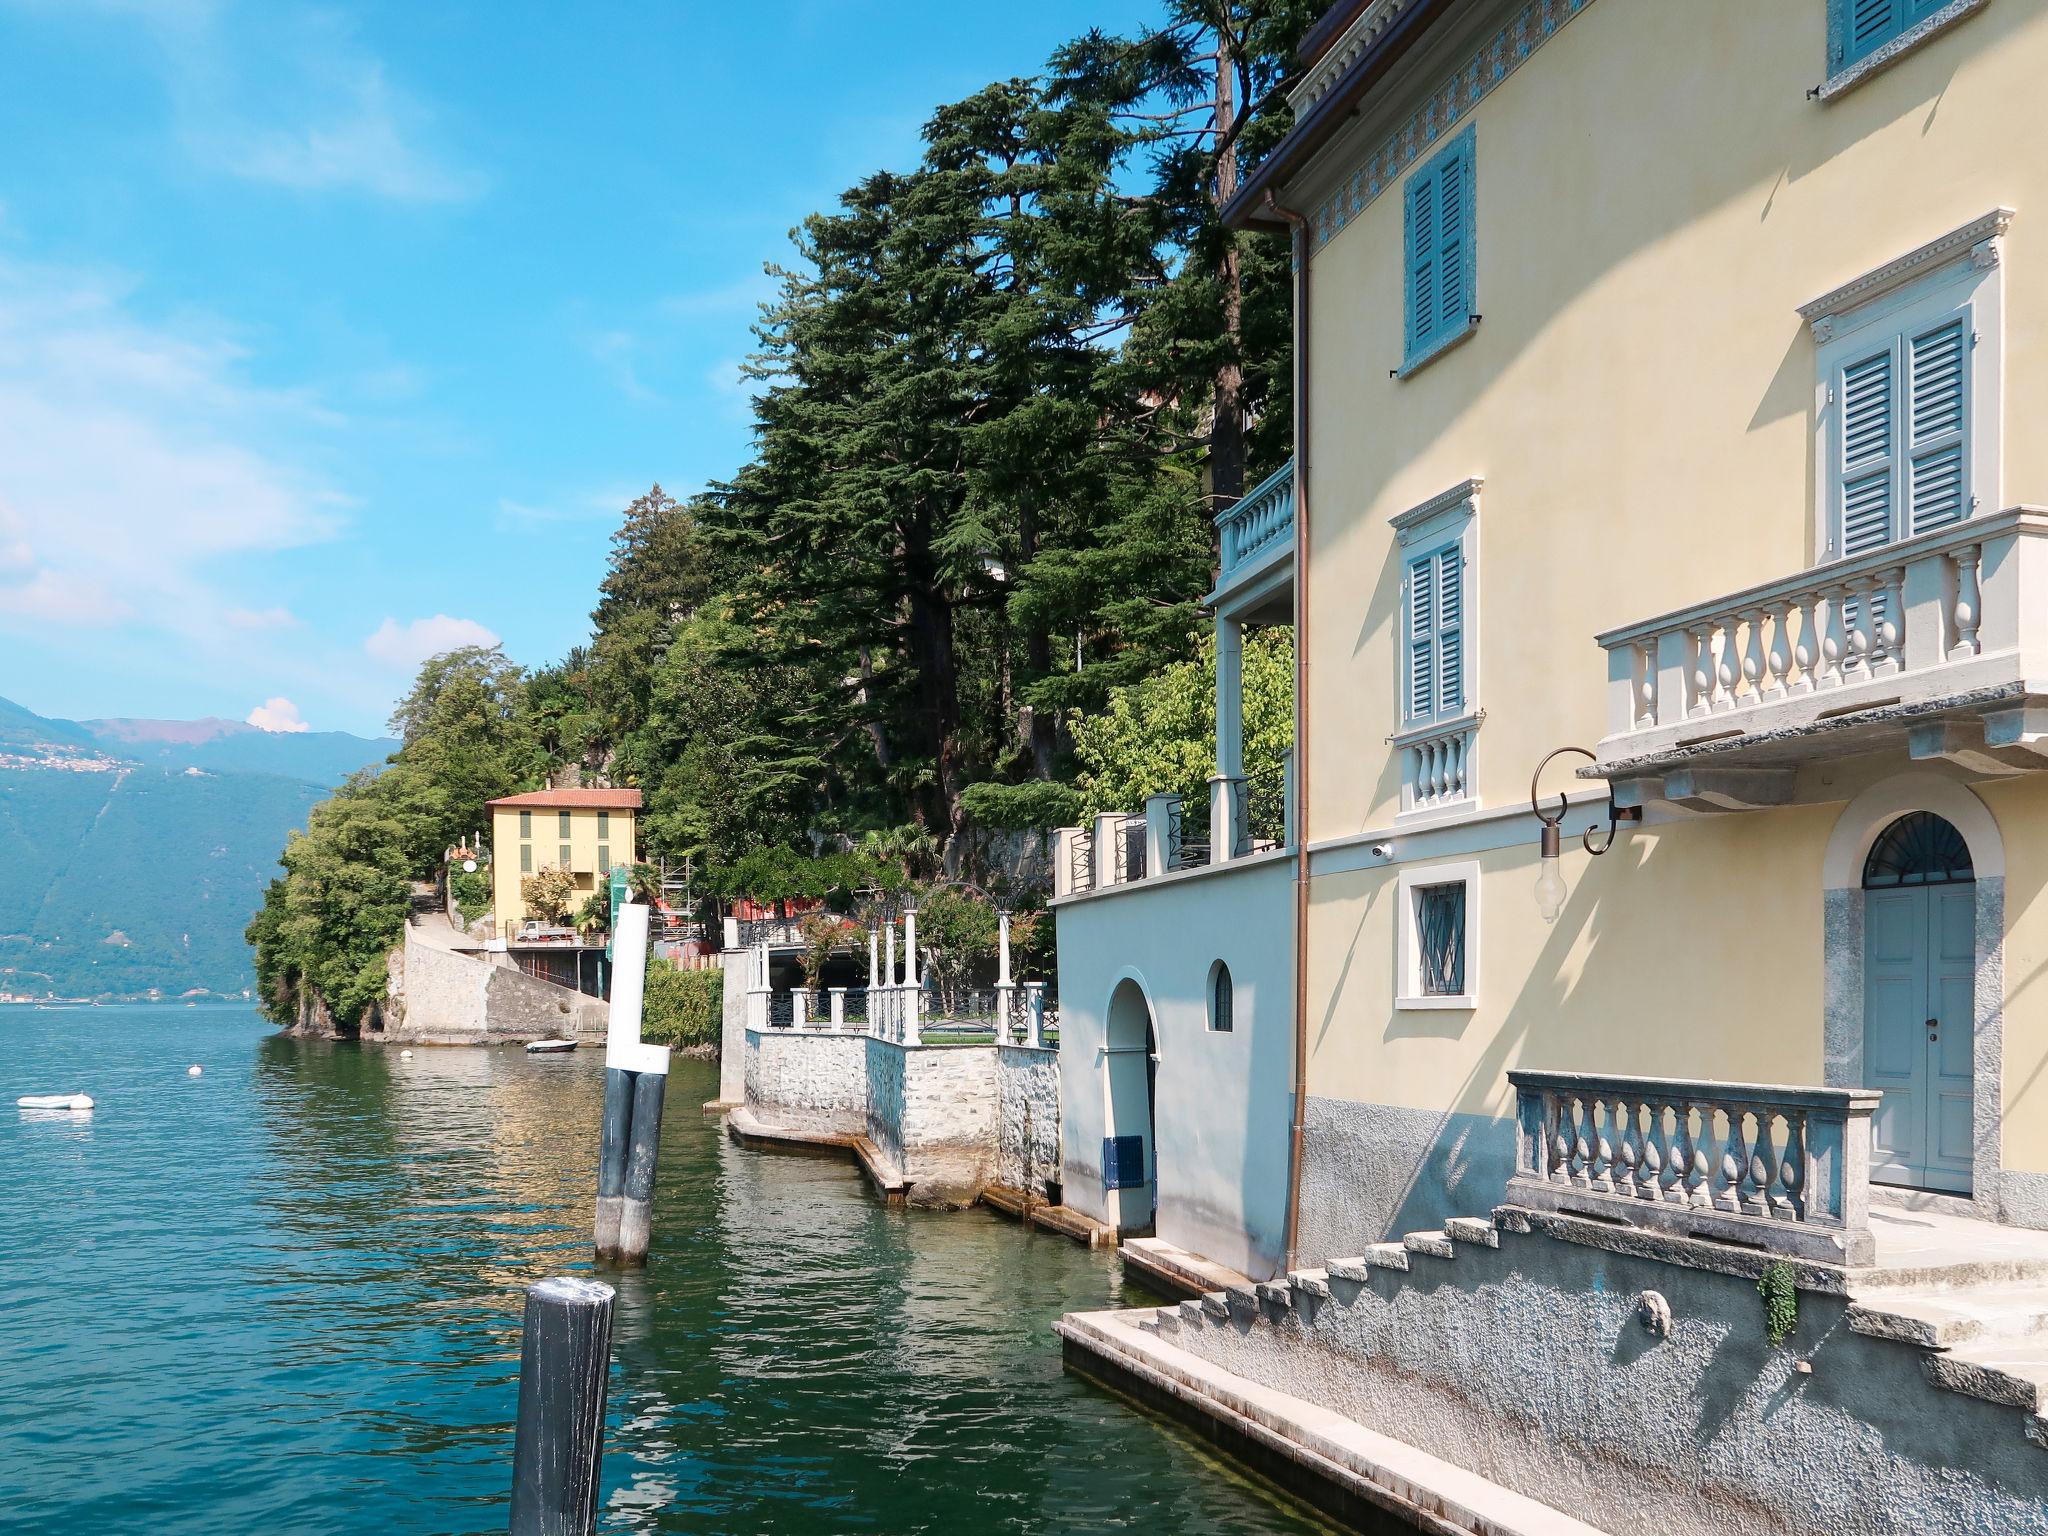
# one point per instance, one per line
(192, 1071)
(54, 1101)
(405, 1055)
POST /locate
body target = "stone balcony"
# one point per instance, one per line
(1937, 644)
(1255, 542)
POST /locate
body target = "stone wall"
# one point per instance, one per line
(815, 1082)
(439, 997)
(1529, 1365)
(949, 1121)
(732, 1037)
(1027, 1117)
(1375, 1171)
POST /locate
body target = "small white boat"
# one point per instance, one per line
(548, 1047)
(53, 1101)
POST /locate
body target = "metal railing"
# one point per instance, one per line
(1081, 860)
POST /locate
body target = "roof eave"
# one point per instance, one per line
(1249, 208)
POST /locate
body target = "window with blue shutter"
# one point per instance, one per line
(1435, 664)
(1441, 258)
(1902, 439)
(1859, 28)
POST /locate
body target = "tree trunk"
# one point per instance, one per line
(1226, 431)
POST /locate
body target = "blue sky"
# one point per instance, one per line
(332, 335)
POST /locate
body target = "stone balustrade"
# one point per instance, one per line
(1436, 765)
(1261, 521)
(1943, 614)
(1786, 1169)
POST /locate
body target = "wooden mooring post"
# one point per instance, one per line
(558, 1447)
(636, 1081)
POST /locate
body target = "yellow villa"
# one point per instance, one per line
(1674, 417)
(588, 832)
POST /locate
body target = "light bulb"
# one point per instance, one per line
(1550, 890)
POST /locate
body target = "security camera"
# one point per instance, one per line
(1383, 850)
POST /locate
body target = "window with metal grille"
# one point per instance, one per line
(1440, 934)
(1222, 999)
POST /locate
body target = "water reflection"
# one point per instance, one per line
(285, 1296)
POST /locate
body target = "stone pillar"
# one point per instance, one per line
(874, 957)
(800, 1007)
(838, 995)
(1162, 846)
(1002, 949)
(1229, 698)
(1108, 825)
(1034, 1002)
(757, 987)
(910, 947)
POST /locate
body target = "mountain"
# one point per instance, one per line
(134, 852)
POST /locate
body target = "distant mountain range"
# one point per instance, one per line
(134, 852)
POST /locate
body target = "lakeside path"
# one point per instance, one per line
(284, 1296)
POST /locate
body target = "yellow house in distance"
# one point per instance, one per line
(588, 832)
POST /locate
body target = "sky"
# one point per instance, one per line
(332, 336)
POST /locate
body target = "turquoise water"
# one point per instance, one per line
(284, 1297)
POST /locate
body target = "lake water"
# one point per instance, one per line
(284, 1297)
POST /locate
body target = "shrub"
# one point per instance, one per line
(547, 893)
(682, 1007)
(472, 891)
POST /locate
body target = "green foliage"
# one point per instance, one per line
(1781, 1301)
(1032, 804)
(595, 915)
(783, 874)
(1158, 736)
(957, 930)
(681, 1008)
(821, 933)
(472, 891)
(547, 893)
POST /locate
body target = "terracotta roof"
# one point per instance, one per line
(575, 799)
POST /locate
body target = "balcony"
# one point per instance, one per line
(1933, 644)
(1255, 539)
(1171, 835)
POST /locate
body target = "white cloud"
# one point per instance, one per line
(261, 618)
(278, 714)
(286, 95)
(404, 646)
(133, 454)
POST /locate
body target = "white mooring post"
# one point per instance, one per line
(636, 1080)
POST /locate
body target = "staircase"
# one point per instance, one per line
(1981, 1327)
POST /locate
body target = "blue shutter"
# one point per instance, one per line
(1440, 257)
(1937, 427)
(1450, 634)
(1123, 1162)
(1862, 27)
(1867, 394)
(1422, 270)
(1422, 638)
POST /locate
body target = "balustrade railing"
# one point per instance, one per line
(1810, 643)
(1261, 520)
(1436, 765)
(1786, 1169)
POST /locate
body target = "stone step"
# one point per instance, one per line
(1436, 1243)
(1387, 1256)
(1943, 1318)
(1191, 1313)
(1354, 1270)
(1311, 1282)
(1276, 1293)
(2013, 1372)
(1215, 1304)
(1473, 1229)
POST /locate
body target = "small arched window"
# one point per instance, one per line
(1918, 849)
(1221, 1001)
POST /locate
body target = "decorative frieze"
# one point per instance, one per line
(1448, 104)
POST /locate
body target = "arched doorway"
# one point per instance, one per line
(1130, 1176)
(1919, 1004)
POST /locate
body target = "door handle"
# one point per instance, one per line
(1933, 1028)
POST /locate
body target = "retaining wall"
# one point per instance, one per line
(952, 1119)
(437, 996)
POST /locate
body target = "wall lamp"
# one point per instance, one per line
(1550, 888)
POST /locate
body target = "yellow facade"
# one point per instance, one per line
(1656, 196)
(584, 840)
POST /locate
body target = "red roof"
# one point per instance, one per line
(575, 799)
